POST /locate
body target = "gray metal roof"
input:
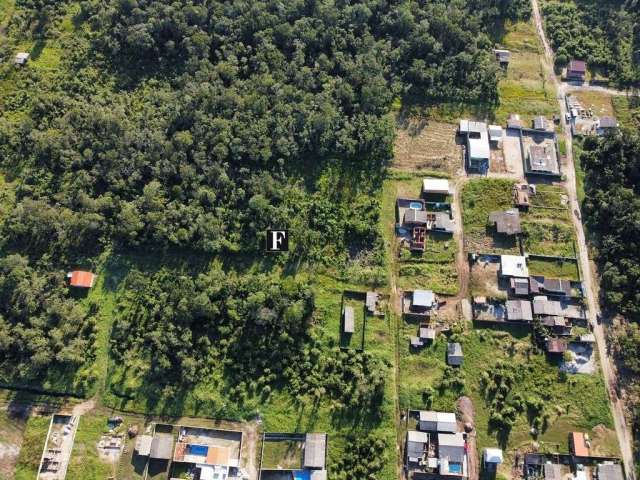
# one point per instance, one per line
(610, 471)
(507, 222)
(415, 216)
(542, 159)
(349, 322)
(552, 471)
(162, 446)
(454, 349)
(519, 310)
(315, 450)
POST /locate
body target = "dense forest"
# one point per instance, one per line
(612, 207)
(606, 34)
(196, 125)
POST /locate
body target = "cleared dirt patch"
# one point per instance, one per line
(468, 418)
(11, 432)
(426, 145)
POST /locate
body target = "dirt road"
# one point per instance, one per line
(617, 406)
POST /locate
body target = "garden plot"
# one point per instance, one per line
(427, 145)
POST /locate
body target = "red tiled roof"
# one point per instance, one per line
(81, 279)
(579, 445)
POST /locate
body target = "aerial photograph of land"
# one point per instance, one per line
(319, 240)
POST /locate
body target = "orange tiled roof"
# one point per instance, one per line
(218, 456)
(81, 279)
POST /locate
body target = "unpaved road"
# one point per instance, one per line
(468, 415)
(617, 405)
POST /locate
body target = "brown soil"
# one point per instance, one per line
(426, 145)
(11, 433)
(467, 416)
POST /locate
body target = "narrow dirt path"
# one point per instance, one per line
(608, 371)
(462, 264)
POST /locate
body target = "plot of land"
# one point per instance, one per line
(599, 103)
(524, 89)
(282, 454)
(427, 145)
(11, 431)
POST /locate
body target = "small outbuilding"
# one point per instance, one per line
(455, 356)
(578, 444)
(577, 70)
(552, 471)
(605, 125)
(423, 300)
(495, 134)
(539, 123)
(315, 450)
(503, 57)
(427, 334)
(492, 456)
(435, 186)
(507, 222)
(556, 346)
(21, 58)
(514, 121)
(348, 319)
(81, 279)
(431, 421)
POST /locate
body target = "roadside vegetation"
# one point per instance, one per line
(603, 33)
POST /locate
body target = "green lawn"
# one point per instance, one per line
(550, 268)
(84, 462)
(283, 454)
(35, 435)
(524, 89)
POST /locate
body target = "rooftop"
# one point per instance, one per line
(579, 445)
(415, 216)
(454, 349)
(556, 345)
(610, 471)
(542, 158)
(519, 310)
(492, 455)
(423, 298)
(162, 446)
(507, 222)
(513, 266)
(578, 66)
(81, 279)
(435, 185)
(315, 448)
(607, 122)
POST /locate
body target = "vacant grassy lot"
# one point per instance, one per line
(85, 462)
(627, 111)
(283, 454)
(524, 88)
(35, 434)
(557, 269)
(599, 102)
(426, 145)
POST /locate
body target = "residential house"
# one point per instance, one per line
(557, 325)
(454, 354)
(417, 445)
(507, 222)
(452, 454)
(478, 152)
(549, 286)
(161, 447)
(543, 306)
(423, 301)
(513, 266)
(577, 70)
(431, 421)
(606, 125)
(542, 159)
(427, 334)
(519, 311)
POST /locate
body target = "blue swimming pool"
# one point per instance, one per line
(415, 206)
(197, 450)
(301, 475)
(455, 467)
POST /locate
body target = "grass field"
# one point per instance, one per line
(282, 454)
(85, 462)
(549, 268)
(627, 111)
(35, 435)
(524, 88)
